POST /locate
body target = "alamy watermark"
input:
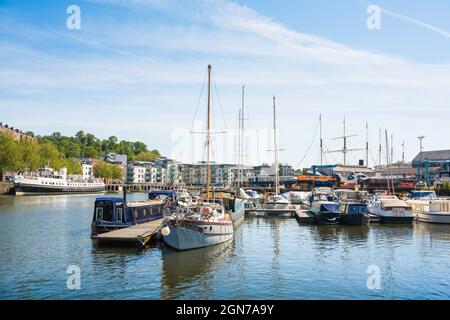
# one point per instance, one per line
(374, 278)
(73, 21)
(374, 19)
(74, 279)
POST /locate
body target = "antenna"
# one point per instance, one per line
(344, 150)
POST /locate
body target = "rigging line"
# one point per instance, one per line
(219, 101)
(310, 145)
(331, 154)
(198, 102)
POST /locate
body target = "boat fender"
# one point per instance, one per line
(165, 231)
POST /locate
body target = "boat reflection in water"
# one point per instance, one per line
(181, 270)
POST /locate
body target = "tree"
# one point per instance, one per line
(10, 157)
(117, 172)
(102, 170)
(30, 159)
(73, 166)
(49, 156)
(146, 156)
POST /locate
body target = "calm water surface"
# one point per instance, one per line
(40, 236)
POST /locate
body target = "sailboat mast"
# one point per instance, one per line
(345, 146)
(321, 141)
(208, 136)
(239, 147)
(242, 135)
(367, 144)
(275, 147)
(387, 161)
(379, 148)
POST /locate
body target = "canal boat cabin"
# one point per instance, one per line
(112, 213)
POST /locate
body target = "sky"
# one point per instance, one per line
(136, 69)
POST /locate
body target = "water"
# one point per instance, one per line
(40, 236)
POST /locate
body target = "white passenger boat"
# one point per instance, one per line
(48, 181)
(427, 207)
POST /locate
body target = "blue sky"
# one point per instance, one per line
(135, 69)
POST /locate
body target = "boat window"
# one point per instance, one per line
(330, 207)
(119, 214)
(99, 213)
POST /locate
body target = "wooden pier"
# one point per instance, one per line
(139, 234)
(303, 216)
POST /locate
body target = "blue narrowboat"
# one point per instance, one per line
(112, 213)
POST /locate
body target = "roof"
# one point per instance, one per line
(109, 199)
(396, 203)
(432, 155)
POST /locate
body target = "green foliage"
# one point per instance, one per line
(86, 145)
(73, 166)
(446, 186)
(108, 171)
(58, 151)
(147, 156)
(10, 157)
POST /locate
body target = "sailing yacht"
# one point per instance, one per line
(276, 201)
(206, 223)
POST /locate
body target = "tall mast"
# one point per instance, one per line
(379, 148)
(367, 144)
(387, 160)
(392, 148)
(403, 151)
(345, 146)
(242, 134)
(239, 147)
(344, 150)
(321, 141)
(208, 136)
(275, 147)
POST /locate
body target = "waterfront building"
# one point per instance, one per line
(137, 172)
(16, 133)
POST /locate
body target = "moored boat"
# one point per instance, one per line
(354, 213)
(427, 207)
(326, 212)
(49, 181)
(390, 209)
(112, 213)
(206, 223)
(197, 227)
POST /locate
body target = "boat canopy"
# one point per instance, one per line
(394, 203)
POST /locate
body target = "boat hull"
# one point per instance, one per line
(356, 219)
(238, 215)
(397, 220)
(25, 189)
(440, 218)
(327, 219)
(192, 235)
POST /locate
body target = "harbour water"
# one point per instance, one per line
(269, 258)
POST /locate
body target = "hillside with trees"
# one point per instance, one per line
(57, 151)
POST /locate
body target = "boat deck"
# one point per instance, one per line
(139, 234)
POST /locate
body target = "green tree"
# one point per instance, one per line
(49, 156)
(117, 172)
(30, 158)
(102, 170)
(73, 166)
(10, 156)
